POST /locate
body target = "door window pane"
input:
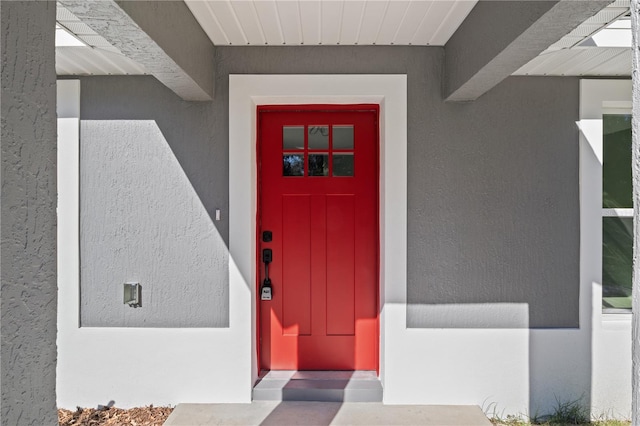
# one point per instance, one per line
(292, 137)
(293, 165)
(318, 164)
(616, 167)
(342, 164)
(617, 262)
(318, 137)
(342, 137)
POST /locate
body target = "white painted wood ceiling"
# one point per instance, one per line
(599, 47)
(330, 22)
(581, 62)
(351, 22)
(81, 51)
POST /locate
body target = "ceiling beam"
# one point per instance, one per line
(499, 37)
(162, 36)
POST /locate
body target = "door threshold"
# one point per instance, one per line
(327, 386)
(319, 374)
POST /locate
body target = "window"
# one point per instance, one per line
(326, 155)
(617, 211)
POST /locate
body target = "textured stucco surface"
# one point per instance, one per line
(28, 222)
(635, 373)
(494, 205)
(153, 172)
(493, 185)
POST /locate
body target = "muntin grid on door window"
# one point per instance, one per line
(318, 151)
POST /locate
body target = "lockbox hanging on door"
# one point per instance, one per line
(266, 291)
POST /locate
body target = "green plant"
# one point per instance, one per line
(565, 413)
(499, 419)
(609, 419)
(611, 423)
(509, 420)
(517, 421)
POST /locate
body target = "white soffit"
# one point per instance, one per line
(330, 22)
(598, 23)
(600, 46)
(81, 51)
(93, 61)
(586, 61)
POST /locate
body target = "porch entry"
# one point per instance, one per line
(317, 230)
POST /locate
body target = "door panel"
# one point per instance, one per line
(318, 195)
(340, 265)
(296, 255)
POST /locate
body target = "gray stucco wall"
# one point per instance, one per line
(494, 206)
(493, 185)
(153, 173)
(28, 222)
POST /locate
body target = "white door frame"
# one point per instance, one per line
(246, 92)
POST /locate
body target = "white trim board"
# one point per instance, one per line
(246, 92)
(611, 333)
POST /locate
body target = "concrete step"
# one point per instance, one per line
(326, 386)
(279, 413)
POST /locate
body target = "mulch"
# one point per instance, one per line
(111, 416)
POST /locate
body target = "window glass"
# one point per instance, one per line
(292, 137)
(617, 262)
(293, 165)
(318, 164)
(307, 150)
(319, 137)
(616, 164)
(617, 213)
(343, 137)
(342, 165)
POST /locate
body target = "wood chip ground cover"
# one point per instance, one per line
(140, 416)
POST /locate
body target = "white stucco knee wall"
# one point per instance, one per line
(134, 366)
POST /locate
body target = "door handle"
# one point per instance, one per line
(267, 256)
(266, 291)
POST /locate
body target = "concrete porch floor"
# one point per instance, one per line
(284, 413)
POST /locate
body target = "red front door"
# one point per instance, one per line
(318, 197)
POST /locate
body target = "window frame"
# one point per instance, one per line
(612, 108)
(594, 95)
